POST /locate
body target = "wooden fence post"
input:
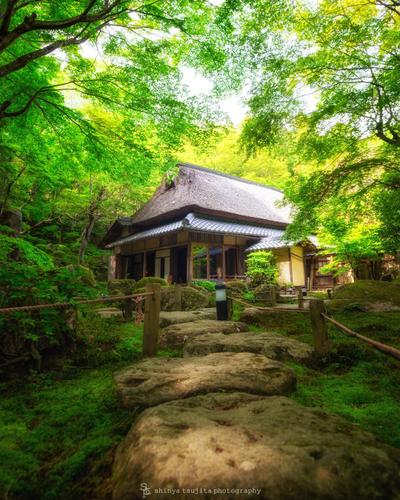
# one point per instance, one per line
(178, 297)
(300, 298)
(127, 309)
(319, 327)
(151, 319)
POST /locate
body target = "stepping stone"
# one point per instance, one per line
(269, 344)
(172, 317)
(154, 381)
(177, 335)
(236, 446)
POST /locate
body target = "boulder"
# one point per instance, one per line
(192, 298)
(255, 316)
(150, 279)
(153, 381)
(269, 344)
(235, 446)
(177, 335)
(174, 317)
(368, 295)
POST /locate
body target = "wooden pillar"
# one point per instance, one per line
(319, 327)
(178, 297)
(151, 319)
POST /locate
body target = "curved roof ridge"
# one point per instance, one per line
(228, 176)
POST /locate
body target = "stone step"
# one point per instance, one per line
(173, 317)
(153, 381)
(175, 336)
(235, 446)
(268, 343)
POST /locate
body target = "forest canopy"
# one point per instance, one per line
(94, 110)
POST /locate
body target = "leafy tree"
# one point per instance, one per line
(261, 267)
(324, 80)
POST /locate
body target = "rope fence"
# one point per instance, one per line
(61, 305)
(319, 319)
(150, 317)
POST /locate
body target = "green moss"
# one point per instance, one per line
(58, 429)
(369, 291)
(149, 279)
(358, 383)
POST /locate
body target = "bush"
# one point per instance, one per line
(28, 277)
(205, 284)
(121, 287)
(261, 268)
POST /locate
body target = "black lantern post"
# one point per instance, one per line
(221, 302)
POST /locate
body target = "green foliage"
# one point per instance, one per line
(324, 92)
(205, 284)
(261, 267)
(249, 296)
(29, 277)
(58, 429)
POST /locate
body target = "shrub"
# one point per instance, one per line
(207, 285)
(261, 268)
(28, 277)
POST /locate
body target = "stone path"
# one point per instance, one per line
(179, 334)
(154, 381)
(241, 441)
(219, 427)
(172, 317)
(269, 344)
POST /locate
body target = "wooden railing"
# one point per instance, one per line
(319, 326)
(151, 316)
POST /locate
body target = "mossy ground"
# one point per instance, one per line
(356, 381)
(59, 429)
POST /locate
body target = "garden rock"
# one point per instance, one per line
(218, 444)
(269, 344)
(173, 317)
(154, 381)
(192, 299)
(177, 335)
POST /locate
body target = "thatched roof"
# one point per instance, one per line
(202, 190)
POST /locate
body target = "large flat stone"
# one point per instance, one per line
(177, 335)
(269, 344)
(154, 381)
(172, 317)
(243, 442)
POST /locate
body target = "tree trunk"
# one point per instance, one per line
(93, 216)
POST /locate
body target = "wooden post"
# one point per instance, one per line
(319, 327)
(151, 319)
(300, 298)
(127, 309)
(178, 297)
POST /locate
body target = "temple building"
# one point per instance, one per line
(201, 225)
